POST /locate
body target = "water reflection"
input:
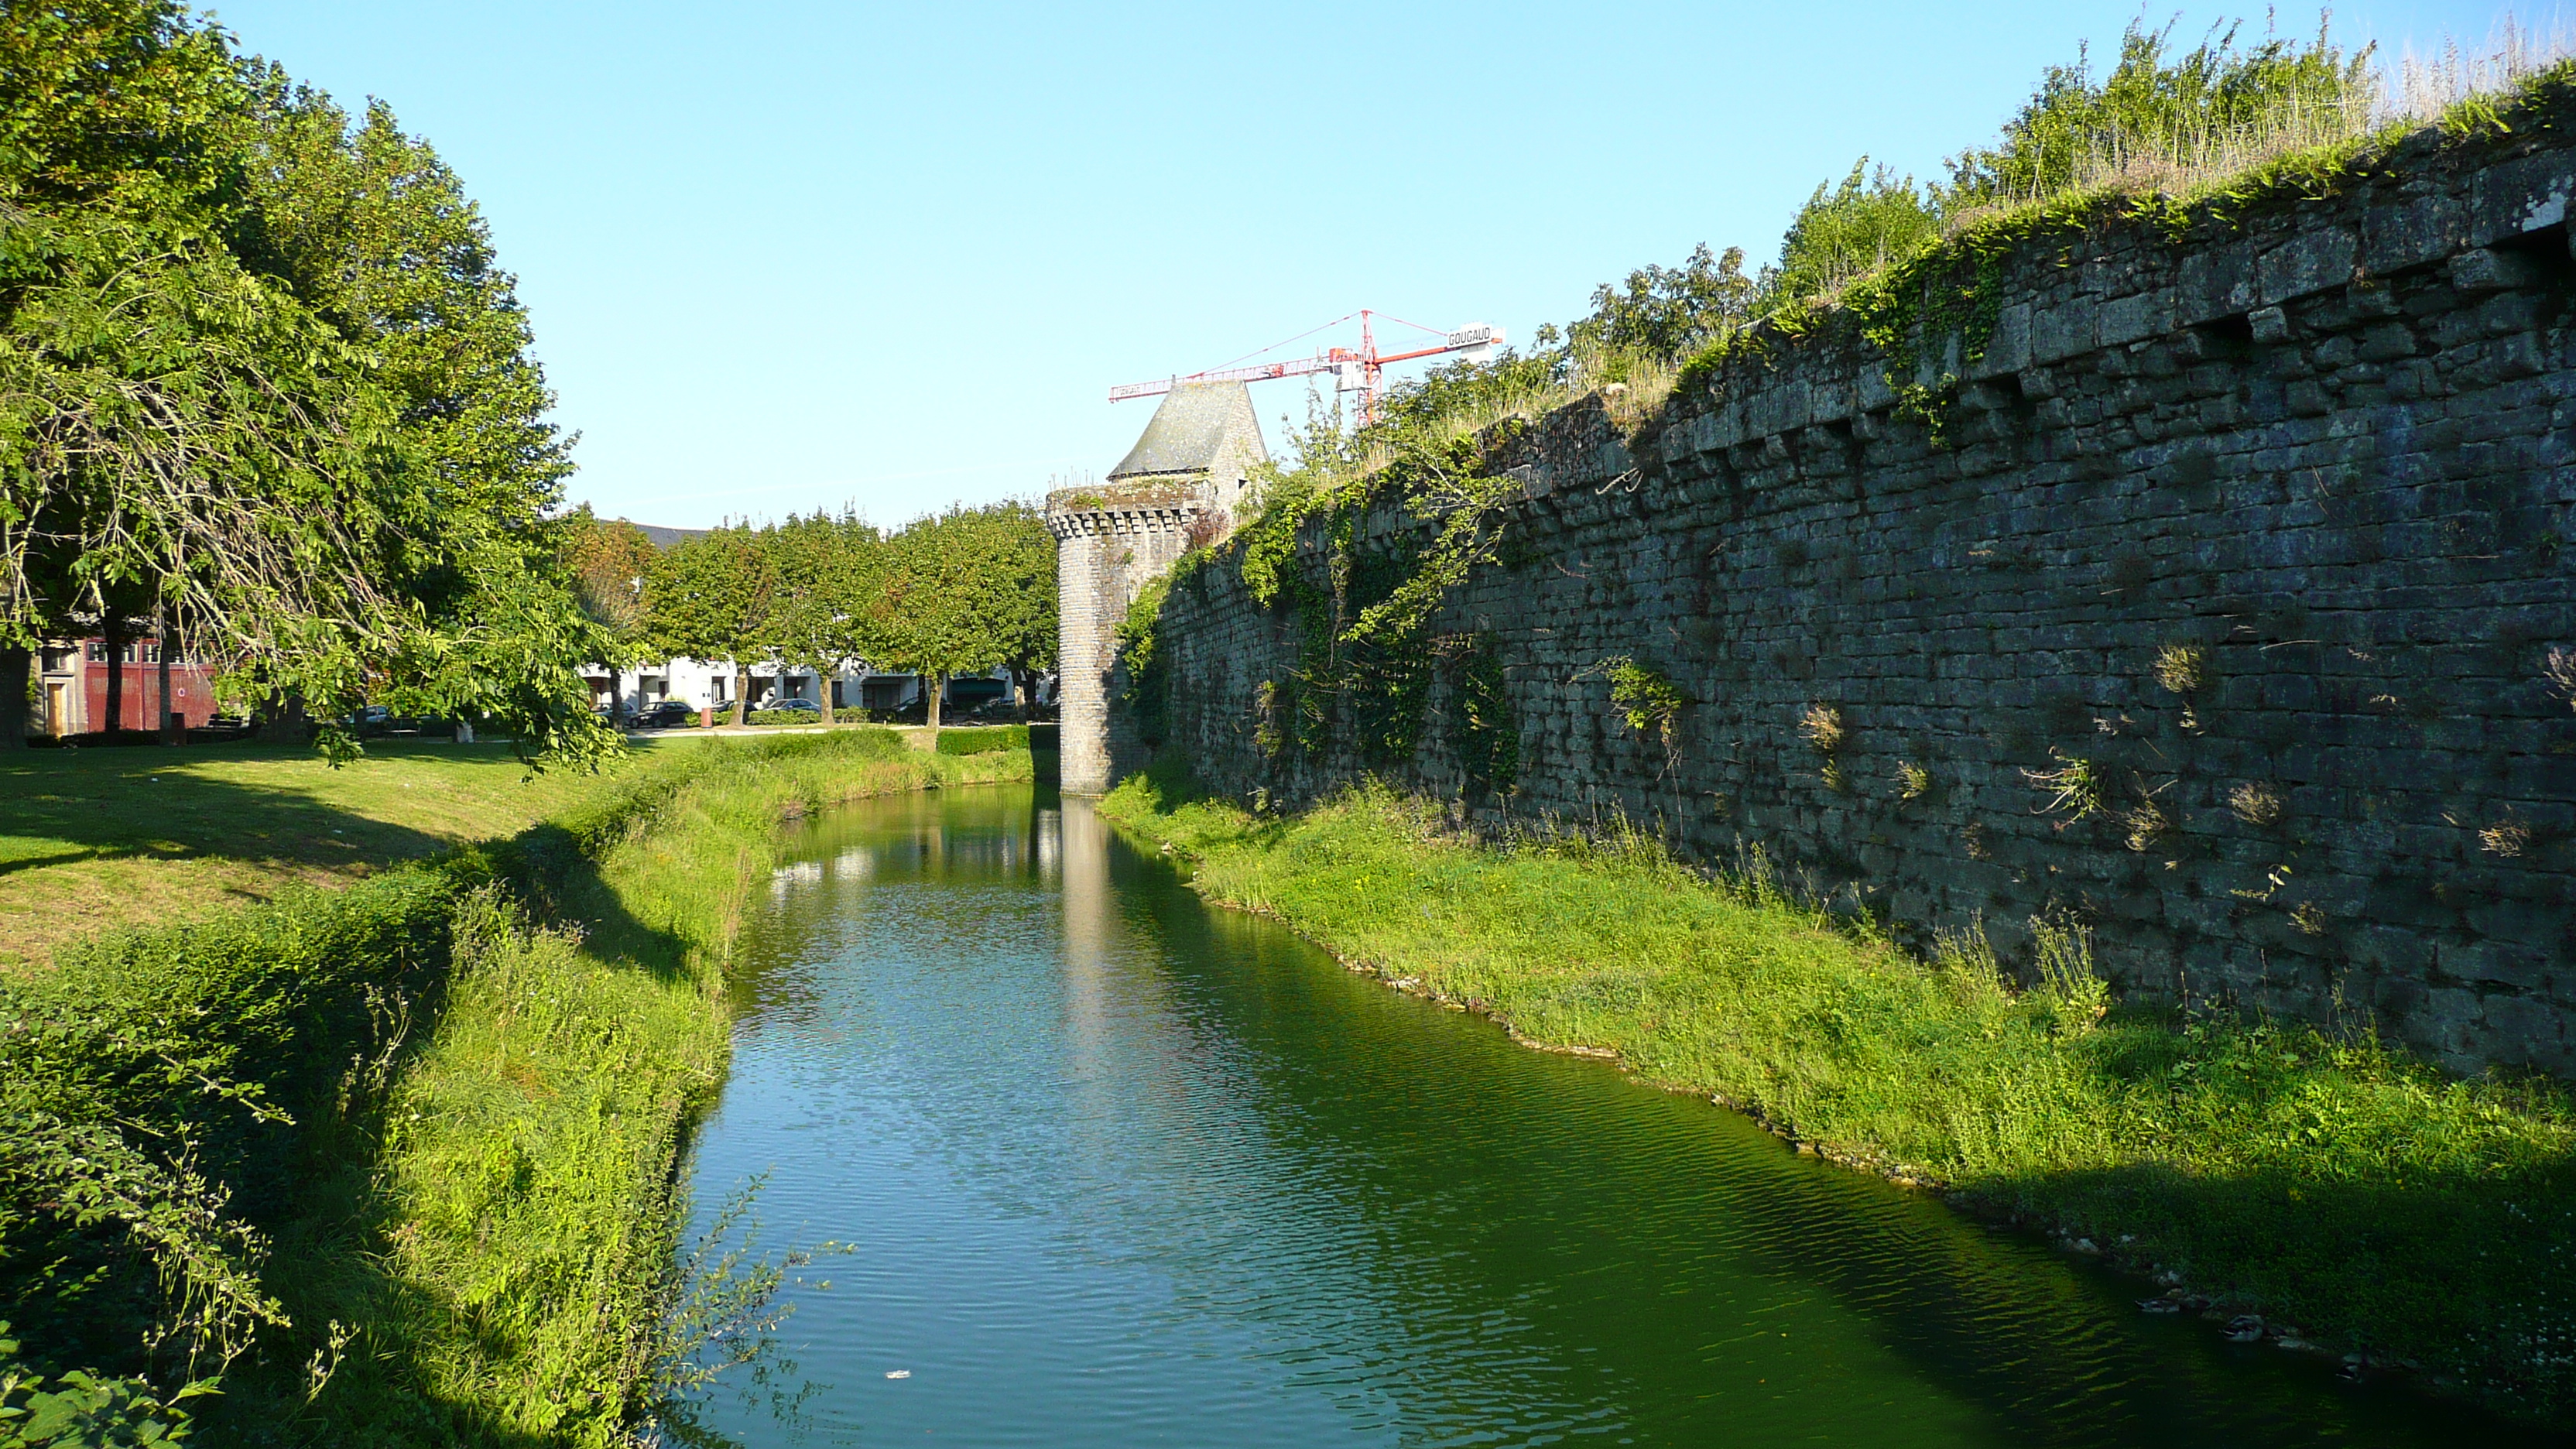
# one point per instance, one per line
(1124, 1170)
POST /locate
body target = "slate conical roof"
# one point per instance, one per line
(1201, 427)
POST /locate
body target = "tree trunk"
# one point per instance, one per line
(17, 672)
(823, 693)
(933, 686)
(741, 692)
(173, 730)
(1024, 684)
(284, 722)
(114, 633)
(616, 699)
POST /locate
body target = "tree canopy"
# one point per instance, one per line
(924, 619)
(1668, 311)
(260, 368)
(1844, 231)
(1013, 593)
(710, 596)
(608, 559)
(826, 570)
(964, 590)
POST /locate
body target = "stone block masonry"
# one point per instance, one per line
(2214, 603)
(1177, 487)
(1108, 548)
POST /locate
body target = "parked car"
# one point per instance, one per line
(800, 706)
(669, 714)
(370, 719)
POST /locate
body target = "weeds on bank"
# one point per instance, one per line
(398, 1165)
(2315, 1174)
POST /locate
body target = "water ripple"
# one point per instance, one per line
(1123, 1170)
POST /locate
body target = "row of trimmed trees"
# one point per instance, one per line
(970, 589)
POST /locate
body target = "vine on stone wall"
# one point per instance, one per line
(1482, 732)
(1271, 707)
(1649, 700)
(1145, 686)
(1363, 615)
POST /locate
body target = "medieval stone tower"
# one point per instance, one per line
(1178, 486)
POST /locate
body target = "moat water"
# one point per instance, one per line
(1115, 1167)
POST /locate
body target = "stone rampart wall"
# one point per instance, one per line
(2317, 455)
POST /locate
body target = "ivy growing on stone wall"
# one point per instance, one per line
(1482, 732)
(1363, 614)
(1145, 683)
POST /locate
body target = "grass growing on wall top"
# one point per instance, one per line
(2314, 1176)
(450, 1219)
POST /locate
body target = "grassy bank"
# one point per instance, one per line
(394, 1164)
(100, 838)
(2352, 1196)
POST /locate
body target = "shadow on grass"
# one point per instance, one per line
(322, 1001)
(338, 1221)
(561, 882)
(70, 857)
(122, 803)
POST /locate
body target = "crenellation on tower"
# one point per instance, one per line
(1194, 460)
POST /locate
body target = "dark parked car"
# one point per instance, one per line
(669, 714)
(801, 706)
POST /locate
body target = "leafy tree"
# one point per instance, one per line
(1013, 594)
(1668, 312)
(608, 560)
(710, 598)
(260, 371)
(1847, 230)
(828, 571)
(925, 619)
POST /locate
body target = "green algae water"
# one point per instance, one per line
(1115, 1167)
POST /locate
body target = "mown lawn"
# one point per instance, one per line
(98, 838)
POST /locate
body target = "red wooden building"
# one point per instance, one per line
(71, 687)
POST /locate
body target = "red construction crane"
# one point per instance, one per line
(1358, 371)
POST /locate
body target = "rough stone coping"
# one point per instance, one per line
(1163, 491)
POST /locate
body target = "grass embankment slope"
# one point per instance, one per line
(2321, 1179)
(396, 1164)
(98, 838)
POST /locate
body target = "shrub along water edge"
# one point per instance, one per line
(2353, 1196)
(397, 1164)
(975, 740)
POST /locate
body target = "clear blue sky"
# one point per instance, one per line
(790, 255)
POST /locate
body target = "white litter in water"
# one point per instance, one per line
(899, 1373)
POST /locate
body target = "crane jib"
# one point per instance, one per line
(1358, 370)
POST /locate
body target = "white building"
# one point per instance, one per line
(709, 684)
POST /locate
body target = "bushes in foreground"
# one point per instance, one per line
(2316, 1176)
(397, 1164)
